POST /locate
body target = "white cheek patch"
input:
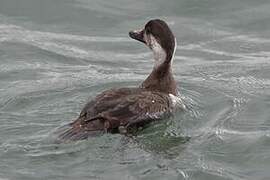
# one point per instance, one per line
(159, 53)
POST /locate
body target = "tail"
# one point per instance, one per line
(79, 131)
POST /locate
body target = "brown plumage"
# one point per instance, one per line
(117, 110)
(114, 108)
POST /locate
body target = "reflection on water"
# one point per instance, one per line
(55, 55)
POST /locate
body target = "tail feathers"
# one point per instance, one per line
(73, 132)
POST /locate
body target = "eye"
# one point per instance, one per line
(147, 30)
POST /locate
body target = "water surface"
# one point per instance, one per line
(55, 55)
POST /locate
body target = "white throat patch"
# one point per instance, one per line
(159, 53)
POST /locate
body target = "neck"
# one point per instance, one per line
(161, 78)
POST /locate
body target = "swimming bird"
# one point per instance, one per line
(119, 110)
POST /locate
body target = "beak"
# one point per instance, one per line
(137, 35)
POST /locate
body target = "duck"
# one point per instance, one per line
(119, 110)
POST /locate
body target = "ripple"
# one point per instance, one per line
(47, 77)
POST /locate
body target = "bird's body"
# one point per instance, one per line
(116, 110)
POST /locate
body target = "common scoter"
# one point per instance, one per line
(118, 110)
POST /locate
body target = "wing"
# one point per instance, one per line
(136, 109)
(117, 108)
(81, 128)
(106, 100)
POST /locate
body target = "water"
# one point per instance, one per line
(55, 55)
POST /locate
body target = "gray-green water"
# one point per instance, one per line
(56, 54)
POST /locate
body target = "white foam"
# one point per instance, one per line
(177, 101)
